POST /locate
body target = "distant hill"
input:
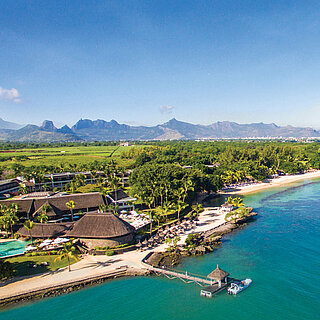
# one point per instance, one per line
(33, 133)
(101, 130)
(9, 125)
(112, 130)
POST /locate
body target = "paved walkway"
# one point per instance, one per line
(91, 266)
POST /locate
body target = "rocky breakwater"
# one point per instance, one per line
(203, 242)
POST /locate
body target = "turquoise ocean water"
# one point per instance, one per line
(280, 252)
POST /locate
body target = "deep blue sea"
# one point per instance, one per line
(279, 251)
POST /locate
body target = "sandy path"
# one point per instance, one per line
(91, 266)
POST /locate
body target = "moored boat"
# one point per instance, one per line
(239, 286)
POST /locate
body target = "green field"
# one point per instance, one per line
(81, 155)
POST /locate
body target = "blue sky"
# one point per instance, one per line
(144, 62)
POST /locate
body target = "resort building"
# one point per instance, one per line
(33, 203)
(101, 230)
(45, 230)
(30, 206)
(9, 186)
(121, 199)
(59, 180)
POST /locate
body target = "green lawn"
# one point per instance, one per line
(23, 265)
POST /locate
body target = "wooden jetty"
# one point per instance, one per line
(214, 283)
(184, 276)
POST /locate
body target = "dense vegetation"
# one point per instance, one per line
(166, 176)
(208, 166)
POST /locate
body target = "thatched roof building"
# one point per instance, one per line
(218, 275)
(45, 230)
(102, 229)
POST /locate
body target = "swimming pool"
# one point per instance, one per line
(10, 248)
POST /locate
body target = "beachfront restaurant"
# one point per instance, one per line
(102, 230)
(44, 230)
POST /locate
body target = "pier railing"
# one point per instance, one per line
(185, 276)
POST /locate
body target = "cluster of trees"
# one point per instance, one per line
(8, 217)
(234, 161)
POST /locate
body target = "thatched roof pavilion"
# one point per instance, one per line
(45, 230)
(102, 229)
(218, 274)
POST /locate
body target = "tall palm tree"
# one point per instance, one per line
(28, 224)
(42, 217)
(151, 217)
(187, 186)
(114, 183)
(67, 252)
(71, 205)
(180, 206)
(166, 207)
(11, 215)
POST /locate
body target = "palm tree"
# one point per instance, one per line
(28, 224)
(114, 208)
(151, 217)
(166, 207)
(158, 215)
(71, 205)
(8, 219)
(229, 200)
(103, 208)
(68, 251)
(11, 215)
(114, 183)
(42, 217)
(187, 186)
(23, 189)
(237, 202)
(198, 208)
(180, 206)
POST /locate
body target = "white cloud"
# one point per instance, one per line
(166, 109)
(10, 94)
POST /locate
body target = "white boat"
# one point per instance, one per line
(239, 286)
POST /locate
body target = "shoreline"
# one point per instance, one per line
(91, 267)
(275, 182)
(59, 289)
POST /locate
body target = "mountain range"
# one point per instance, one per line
(101, 130)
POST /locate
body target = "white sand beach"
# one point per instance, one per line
(276, 182)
